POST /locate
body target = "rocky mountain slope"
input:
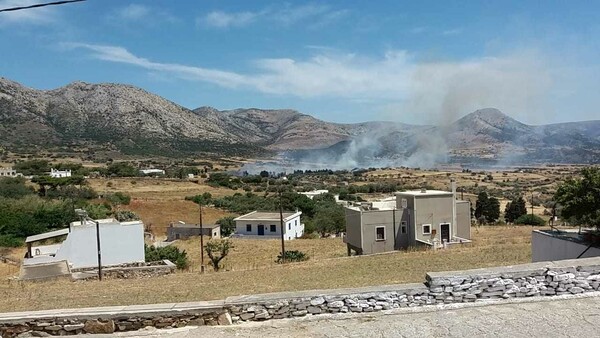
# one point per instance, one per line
(82, 116)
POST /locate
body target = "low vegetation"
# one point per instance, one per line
(172, 253)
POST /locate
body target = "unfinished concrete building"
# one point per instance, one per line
(430, 218)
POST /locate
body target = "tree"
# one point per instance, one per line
(487, 209)
(14, 187)
(515, 209)
(217, 250)
(330, 219)
(264, 174)
(227, 225)
(580, 197)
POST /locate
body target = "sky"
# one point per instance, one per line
(419, 62)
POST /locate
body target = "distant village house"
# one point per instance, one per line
(55, 173)
(152, 172)
(268, 225)
(9, 172)
(177, 231)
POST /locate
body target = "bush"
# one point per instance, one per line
(119, 198)
(530, 220)
(14, 187)
(10, 241)
(293, 256)
(126, 216)
(170, 252)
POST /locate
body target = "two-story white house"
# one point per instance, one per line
(268, 225)
(59, 173)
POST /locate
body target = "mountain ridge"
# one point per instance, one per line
(124, 118)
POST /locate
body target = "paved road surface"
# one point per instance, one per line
(567, 317)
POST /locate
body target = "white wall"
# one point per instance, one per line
(545, 247)
(119, 244)
(293, 228)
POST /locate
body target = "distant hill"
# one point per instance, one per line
(85, 117)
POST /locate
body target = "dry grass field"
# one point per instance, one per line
(148, 188)
(157, 214)
(252, 270)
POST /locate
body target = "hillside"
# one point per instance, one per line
(87, 118)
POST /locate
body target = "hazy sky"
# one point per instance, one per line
(343, 61)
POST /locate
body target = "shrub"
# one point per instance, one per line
(119, 198)
(10, 241)
(530, 219)
(126, 216)
(172, 253)
(293, 256)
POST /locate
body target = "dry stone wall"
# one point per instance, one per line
(527, 280)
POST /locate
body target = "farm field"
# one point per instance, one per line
(251, 270)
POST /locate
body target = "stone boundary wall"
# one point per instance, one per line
(126, 271)
(527, 280)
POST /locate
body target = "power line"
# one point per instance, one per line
(55, 3)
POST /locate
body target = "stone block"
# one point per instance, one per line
(576, 289)
(224, 319)
(317, 301)
(96, 327)
(299, 313)
(314, 310)
(335, 304)
(247, 315)
(262, 315)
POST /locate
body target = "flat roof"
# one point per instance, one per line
(266, 216)
(47, 235)
(186, 225)
(417, 193)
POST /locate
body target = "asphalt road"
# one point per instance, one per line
(566, 317)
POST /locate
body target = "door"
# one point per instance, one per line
(445, 232)
(261, 230)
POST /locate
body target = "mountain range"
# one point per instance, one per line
(84, 117)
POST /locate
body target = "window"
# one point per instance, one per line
(289, 226)
(426, 229)
(404, 203)
(296, 222)
(403, 228)
(273, 228)
(248, 227)
(380, 234)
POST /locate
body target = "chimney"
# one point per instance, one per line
(423, 190)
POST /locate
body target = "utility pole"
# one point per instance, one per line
(532, 203)
(201, 238)
(99, 251)
(282, 228)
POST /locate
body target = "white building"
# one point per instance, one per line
(268, 225)
(119, 243)
(59, 173)
(8, 172)
(152, 171)
(312, 194)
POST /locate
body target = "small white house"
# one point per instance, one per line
(152, 171)
(120, 243)
(9, 172)
(312, 194)
(268, 225)
(59, 173)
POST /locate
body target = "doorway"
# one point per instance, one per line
(261, 230)
(445, 232)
